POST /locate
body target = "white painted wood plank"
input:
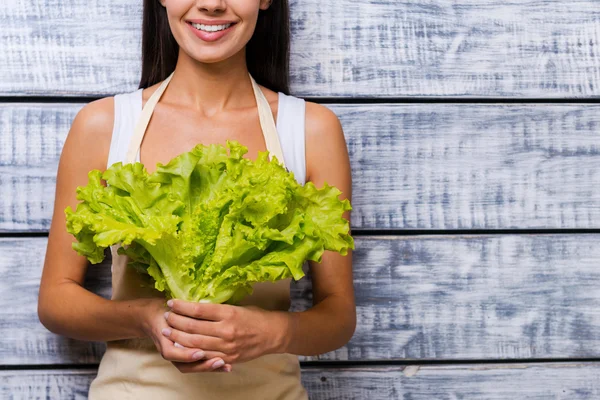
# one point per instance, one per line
(31, 139)
(473, 297)
(24, 339)
(414, 166)
(374, 48)
(539, 381)
(531, 381)
(463, 48)
(69, 48)
(418, 298)
(45, 384)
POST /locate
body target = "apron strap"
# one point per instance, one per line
(143, 120)
(267, 123)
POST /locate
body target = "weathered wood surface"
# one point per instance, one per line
(24, 339)
(527, 48)
(45, 384)
(418, 297)
(535, 381)
(414, 166)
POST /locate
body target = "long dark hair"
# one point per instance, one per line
(267, 52)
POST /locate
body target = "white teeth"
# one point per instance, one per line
(211, 28)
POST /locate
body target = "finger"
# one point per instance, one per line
(189, 340)
(175, 353)
(192, 325)
(199, 366)
(225, 368)
(211, 355)
(207, 354)
(207, 311)
(211, 365)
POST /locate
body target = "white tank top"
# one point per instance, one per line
(290, 128)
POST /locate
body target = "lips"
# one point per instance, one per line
(211, 36)
(209, 21)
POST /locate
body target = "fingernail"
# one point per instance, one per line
(166, 315)
(178, 345)
(166, 331)
(170, 303)
(218, 364)
(198, 355)
(226, 369)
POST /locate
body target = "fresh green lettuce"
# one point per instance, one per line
(208, 225)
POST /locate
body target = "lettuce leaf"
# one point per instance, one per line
(208, 225)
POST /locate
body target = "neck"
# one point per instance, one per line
(210, 88)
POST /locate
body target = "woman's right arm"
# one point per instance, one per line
(65, 307)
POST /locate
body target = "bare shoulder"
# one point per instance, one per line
(85, 148)
(91, 133)
(326, 148)
(319, 117)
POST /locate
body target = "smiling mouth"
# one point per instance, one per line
(212, 27)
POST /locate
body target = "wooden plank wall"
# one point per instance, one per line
(474, 134)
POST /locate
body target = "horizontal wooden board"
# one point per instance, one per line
(418, 298)
(26, 340)
(374, 48)
(441, 166)
(531, 381)
(45, 384)
(414, 166)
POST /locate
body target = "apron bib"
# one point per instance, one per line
(133, 368)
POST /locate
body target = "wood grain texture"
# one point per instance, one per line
(383, 48)
(69, 48)
(418, 297)
(24, 339)
(463, 48)
(46, 384)
(547, 381)
(532, 381)
(31, 139)
(414, 166)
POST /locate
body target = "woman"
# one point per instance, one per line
(209, 54)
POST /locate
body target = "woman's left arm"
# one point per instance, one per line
(330, 322)
(237, 334)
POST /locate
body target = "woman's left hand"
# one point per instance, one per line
(232, 333)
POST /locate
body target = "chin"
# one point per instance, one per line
(212, 55)
(210, 60)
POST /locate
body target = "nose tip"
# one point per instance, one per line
(212, 5)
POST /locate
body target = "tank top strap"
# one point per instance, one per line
(143, 120)
(291, 117)
(127, 108)
(267, 124)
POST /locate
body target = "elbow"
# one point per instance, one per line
(46, 314)
(347, 326)
(43, 314)
(351, 325)
(346, 323)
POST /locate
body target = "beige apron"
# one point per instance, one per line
(134, 369)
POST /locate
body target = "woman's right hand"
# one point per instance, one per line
(152, 322)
